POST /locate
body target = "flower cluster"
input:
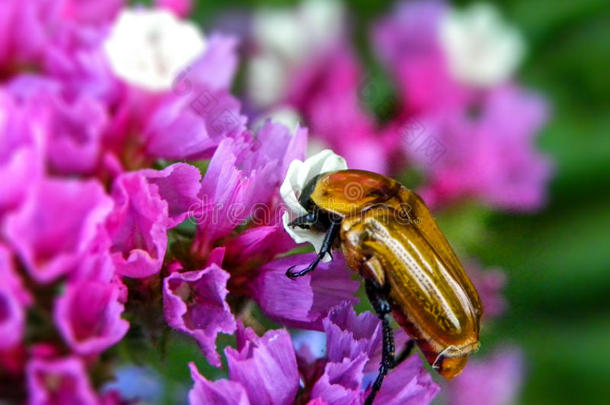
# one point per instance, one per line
(136, 196)
(458, 116)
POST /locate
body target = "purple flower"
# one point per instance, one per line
(494, 380)
(221, 392)
(191, 126)
(181, 8)
(194, 302)
(408, 43)
(88, 314)
(265, 366)
(214, 70)
(491, 157)
(199, 112)
(242, 180)
(91, 11)
(489, 284)
(13, 301)
(353, 346)
(73, 128)
(22, 137)
(226, 192)
(179, 186)
(54, 228)
(341, 382)
(75, 58)
(349, 335)
(29, 28)
(263, 370)
(328, 93)
(408, 384)
(137, 226)
(61, 381)
(257, 245)
(305, 301)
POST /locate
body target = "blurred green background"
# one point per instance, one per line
(558, 260)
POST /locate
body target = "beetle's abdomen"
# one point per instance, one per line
(431, 296)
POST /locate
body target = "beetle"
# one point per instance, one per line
(388, 235)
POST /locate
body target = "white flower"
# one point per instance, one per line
(267, 78)
(298, 175)
(285, 115)
(287, 38)
(481, 49)
(293, 34)
(149, 48)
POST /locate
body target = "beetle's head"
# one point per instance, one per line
(305, 197)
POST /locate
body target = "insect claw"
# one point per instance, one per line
(290, 274)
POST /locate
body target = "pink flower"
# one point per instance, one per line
(494, 380)
(73, 128)
(408, 384)
(23, 131)
(88, 314)
(61, 381)
(91, 11)
(75, 58)
(263, 368)
(29, 28)
(199, 112)
(491, 157)
(57, 224)
(341, 382)
(221, 392)
(147, 203)
(14, 300)
(349, 335)
(179, 185)
(181, 8)
(194, 302)
(408, 43)
(257, 245)
(352, 343)
(226, 192)
(191, 126)
(242, 181)
(303, 302)
(327, 92)
(489, 284)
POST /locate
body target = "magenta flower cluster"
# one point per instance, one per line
(469, 142)
(114, 198)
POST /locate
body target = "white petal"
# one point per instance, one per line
(150, 47)
(298, 175)
(481, 49)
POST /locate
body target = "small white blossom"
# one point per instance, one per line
(267, 78)
(482, 50)
(287, 38)
(285, 115)
(298, 175)
(149, 48)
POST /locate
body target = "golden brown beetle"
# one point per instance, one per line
(388, 235)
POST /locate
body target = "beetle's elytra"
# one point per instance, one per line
(388, 235)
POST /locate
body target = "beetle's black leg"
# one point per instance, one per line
(377, 297)
(327, 245)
